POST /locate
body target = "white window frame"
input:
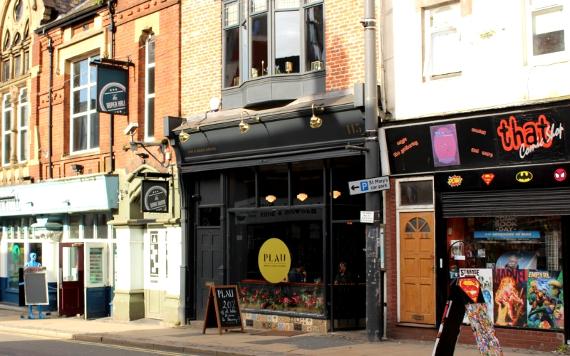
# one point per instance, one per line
(23, 130)
(149, 136)
(544, 6)
(91, 82)
(429, 32)
(6, 133)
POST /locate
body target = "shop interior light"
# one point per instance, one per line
(315, 121)
(271, 198)
(336, 194)
(302, 197)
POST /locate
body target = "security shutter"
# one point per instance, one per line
(520, 202)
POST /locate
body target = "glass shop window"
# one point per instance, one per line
(16, 261)
(344, 205)
(301, 289)
(274, 185)
(242, 188)
(74, 222)
(307, 183)
(518, 261)
(37, 249)
(416, 193)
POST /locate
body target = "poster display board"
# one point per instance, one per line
(35, 286)
(222, 310)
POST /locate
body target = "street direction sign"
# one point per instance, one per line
(369, 185)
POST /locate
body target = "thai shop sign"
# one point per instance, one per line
(507, 235)
(112, 90)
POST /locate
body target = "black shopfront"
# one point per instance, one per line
(279, 179)
(502, 206)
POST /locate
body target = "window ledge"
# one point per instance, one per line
(267, 89)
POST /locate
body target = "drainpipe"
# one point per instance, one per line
(373, 200)
(111, 6)
(50, 109)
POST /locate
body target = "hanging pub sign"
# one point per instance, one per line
(154, 196)
(498, 139)
(112, 89)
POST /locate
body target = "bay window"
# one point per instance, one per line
(271, 38)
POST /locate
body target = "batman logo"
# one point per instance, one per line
(524, 176)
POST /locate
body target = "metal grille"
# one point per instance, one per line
(520, 202)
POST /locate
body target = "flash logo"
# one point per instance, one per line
(524, 176)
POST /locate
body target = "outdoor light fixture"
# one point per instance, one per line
(184, 136)
(302, 197)
(243, 126)
(315, 121)
(336, 194)
(271, 198)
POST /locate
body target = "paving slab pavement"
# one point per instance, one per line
(151, 334)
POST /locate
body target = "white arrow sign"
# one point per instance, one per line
(369, 185)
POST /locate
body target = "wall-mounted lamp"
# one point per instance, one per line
(184, 136)
(336, 194)
(270, 198)
(77, 168)
(302, 197)
(244, 125)
(316, 121)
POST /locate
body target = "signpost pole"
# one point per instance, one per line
(374, 283)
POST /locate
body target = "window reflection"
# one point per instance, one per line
(287, 42)
(259, 45)
(315, 43)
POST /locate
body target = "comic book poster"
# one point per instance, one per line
(545, 300)
(510, 287)
(485, 278)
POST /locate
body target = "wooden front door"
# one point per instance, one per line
(71, 293)
(417, 268)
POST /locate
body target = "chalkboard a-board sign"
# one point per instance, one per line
(222, 310)
(35, 286)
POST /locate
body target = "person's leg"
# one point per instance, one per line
(40, 315)
(30, 312)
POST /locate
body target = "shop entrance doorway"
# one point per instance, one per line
(348, 288)
(71, 290)
(417, 267)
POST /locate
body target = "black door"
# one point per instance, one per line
(209, 241)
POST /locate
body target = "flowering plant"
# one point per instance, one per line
(295, 297)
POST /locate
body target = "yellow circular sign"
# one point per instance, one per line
(274, 260)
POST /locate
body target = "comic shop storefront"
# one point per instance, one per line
(492, 193)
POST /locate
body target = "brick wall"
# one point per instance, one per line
(344, 43)
(201, 62)
(128, 47)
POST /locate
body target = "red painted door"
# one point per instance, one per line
(71, 298)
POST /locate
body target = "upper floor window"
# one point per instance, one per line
(271, 37)
(23, 117)
(549, 28)
(6, 128)
(442, 40)
(149, 92)
(84, 117)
